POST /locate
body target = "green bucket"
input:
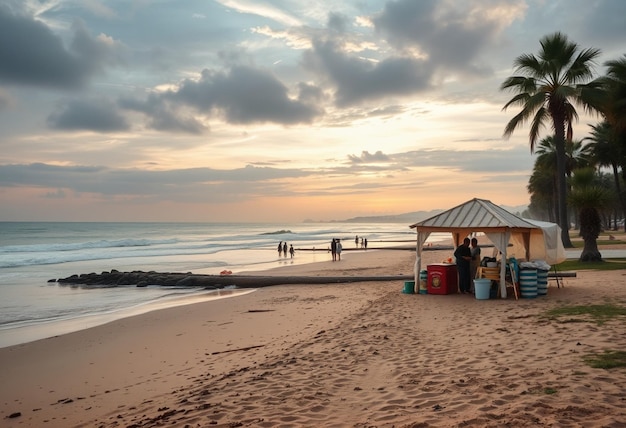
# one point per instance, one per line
(409, 287)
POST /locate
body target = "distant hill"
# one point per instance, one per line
(408, 218)
(413, 217)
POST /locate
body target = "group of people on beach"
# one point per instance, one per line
(467, 257)
(335, 249)
(363, 242)
(282, 249)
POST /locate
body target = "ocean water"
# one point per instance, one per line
(31, 254)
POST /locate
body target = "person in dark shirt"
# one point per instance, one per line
(463, 256)
(475, 249)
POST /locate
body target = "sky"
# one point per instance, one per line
(270, 111)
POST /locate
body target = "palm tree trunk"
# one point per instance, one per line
(618, 187)
(590, 252)
(590, 230)
(555, 200)
(559, 142)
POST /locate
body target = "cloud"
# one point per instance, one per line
(40, 174)
(191, 184)
(31, 54)
(5, 100)
(367, 157)
(58, 194)
(202, 185)
(357, 80)
(244, 95)
(604, 23)
(447, 33)
(511, 160)
(337, 22)
(93, 115)
(162, 116)
(239, 95)
(261, 9)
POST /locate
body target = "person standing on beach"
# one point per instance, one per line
(285, 249)
(280, 248)
(333, 249)
(475, 249)
(291, 250)
(339, 248)
(463, 256)
(356, 241)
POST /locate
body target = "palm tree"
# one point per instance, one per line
(577, 155)
(607, 152)
(589, 198)
(546, 90)
(607, 94)
(615, 83)
(541, 187)
(545, 166)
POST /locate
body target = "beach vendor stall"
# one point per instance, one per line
(511, 235)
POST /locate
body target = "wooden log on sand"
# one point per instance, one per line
(144, 279)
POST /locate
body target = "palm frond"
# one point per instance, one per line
(569, 134)
(519, 84)
(518, 120)
(616, 69)
(537, 124)
(520, 99)
(594, 96)
(556, 52)
(528, 64)
(590, 197)
(530, 106)
(581, 68)
(571, 115)
(566, 92)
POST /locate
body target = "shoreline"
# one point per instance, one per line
(269, 276)
(357, 354)
(23, 334)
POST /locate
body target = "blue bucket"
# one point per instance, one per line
(528, 283)
(409, 287)
(482, 288)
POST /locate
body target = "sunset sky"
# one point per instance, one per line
(270, 111)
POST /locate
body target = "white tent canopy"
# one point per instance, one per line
(511, 235)
(545, 244)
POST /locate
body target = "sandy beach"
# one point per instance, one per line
(334, 355)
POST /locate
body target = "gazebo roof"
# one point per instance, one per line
(475, 214)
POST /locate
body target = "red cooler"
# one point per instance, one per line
(442, 278)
